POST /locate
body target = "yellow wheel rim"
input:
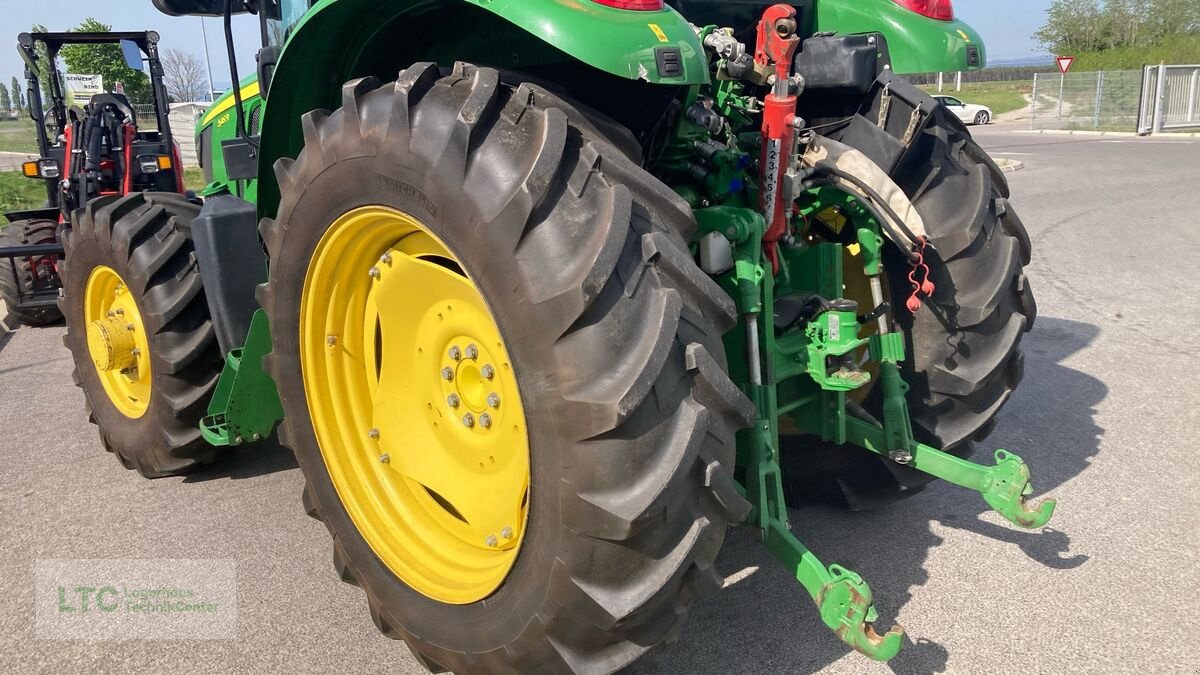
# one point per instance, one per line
(117, 341)
(415, 405)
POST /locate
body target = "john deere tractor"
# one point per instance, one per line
(555, 292)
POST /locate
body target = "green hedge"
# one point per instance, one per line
(1174, 50)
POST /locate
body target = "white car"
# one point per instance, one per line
(967, 112)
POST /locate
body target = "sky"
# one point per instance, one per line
(1007, 27)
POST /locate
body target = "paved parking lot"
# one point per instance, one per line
(1105, 417)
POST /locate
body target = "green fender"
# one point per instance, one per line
(338, 40)
(620, 42)
(918, 44)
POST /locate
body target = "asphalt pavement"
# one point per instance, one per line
(1105, 418)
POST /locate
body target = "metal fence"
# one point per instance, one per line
(1099, 101)
(1170, 99)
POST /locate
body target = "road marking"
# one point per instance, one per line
(1016, 154)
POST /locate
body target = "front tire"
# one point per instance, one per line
(138, 328)
(983, 118)
(613, 336)
(20, 277)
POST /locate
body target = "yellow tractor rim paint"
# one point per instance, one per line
(415, 405)
(117, 341)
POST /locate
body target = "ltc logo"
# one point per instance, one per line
(87, 599)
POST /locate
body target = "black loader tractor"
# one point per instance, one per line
(98, 150)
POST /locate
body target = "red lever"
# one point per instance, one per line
(777, 45)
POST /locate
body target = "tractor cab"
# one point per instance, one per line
(102, 147)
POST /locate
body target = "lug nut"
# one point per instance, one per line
(447, 374)
(385, 458)
(373, 434)
(507, 532)
(331, 340)
(494, 400)
(468, 420)
(485, 421)
(488, 371)
(373, 272)
(452, 400)
(491, 541)
(129, 327)
(455, 353)
(136, 352)
(472, 352)
(386, 258)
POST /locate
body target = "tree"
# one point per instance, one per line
(1080, 26)
(108, 62)
(183, 76)
(17, 100)
(5, 101)
(1072, 26)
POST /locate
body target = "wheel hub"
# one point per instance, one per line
(111, 344)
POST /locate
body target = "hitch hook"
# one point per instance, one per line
(848, 609)
(1005, 490)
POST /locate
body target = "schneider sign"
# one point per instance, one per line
(83, 87)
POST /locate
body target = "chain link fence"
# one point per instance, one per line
(1097, 101)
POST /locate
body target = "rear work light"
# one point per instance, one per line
(634, 5)
(942, 10)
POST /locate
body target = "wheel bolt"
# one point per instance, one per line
(488, 371)
(494, 400)
(136, 352)
(447, 374)
(386, 258)
(331, 340)
(452, 400)
(385, 458)
(472, 352)
(373, 272)
(455, 353)
(373, 434)
(507, 532)
(129, 327)
(485, 421)
(491, 541)
(468, 420)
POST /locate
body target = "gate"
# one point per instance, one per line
(1170, 99)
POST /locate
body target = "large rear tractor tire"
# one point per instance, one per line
(502, 375)
(964, 358)
(18, 276)
(139, 330)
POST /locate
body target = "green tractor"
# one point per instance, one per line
(545, 295)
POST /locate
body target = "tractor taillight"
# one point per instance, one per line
(942, 10)
(634, 5)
